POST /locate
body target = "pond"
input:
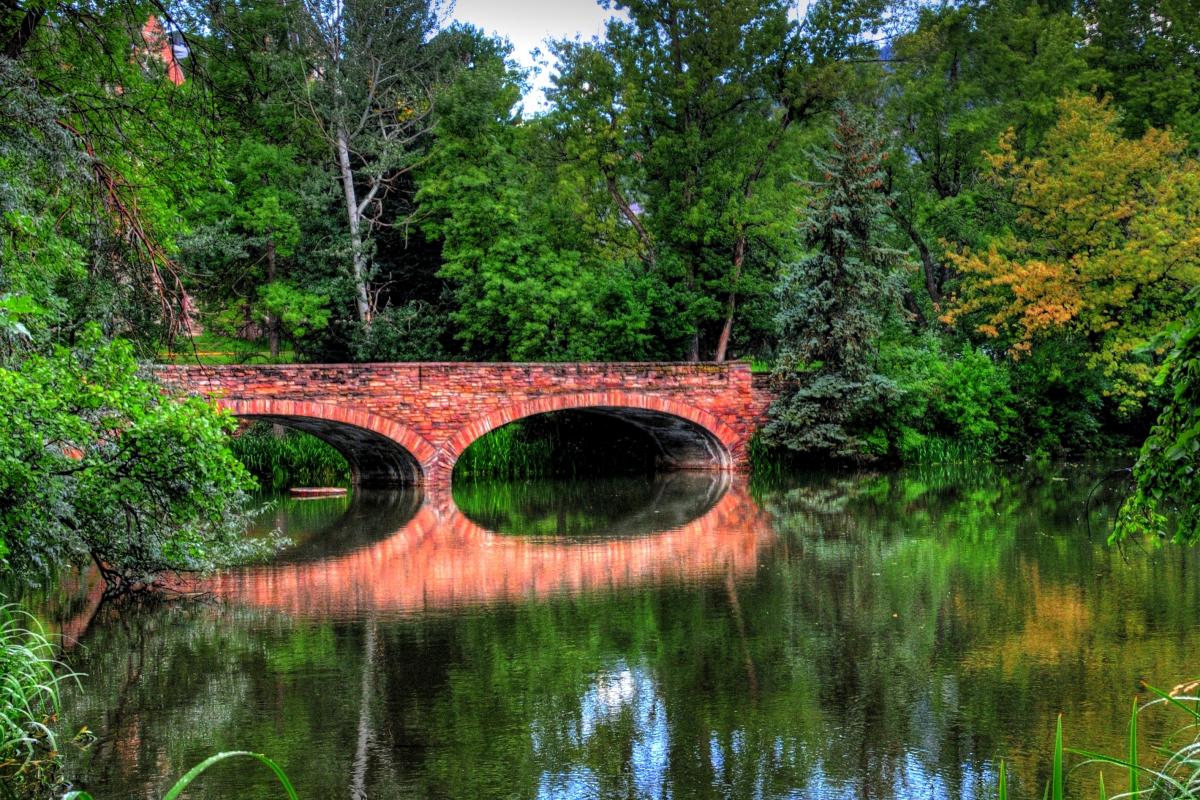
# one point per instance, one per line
(846, 636)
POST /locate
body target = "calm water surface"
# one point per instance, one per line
(876, 636)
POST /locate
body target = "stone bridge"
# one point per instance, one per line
(407, 423)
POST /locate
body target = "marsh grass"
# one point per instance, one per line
(943, 450)
(293, 459)
(1175, 775)
(508, 452)
(29, 701)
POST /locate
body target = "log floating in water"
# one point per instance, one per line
(316, 492)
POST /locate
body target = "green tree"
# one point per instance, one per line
(369, 93)
(833, 304)
(961, 76)
(1150, 50)
(687, 117)
(97, 464)
(95, 159)
(526, 283)
(1104, 246)
(243, 247)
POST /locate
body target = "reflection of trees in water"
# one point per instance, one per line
(909, 629)
(168, 686)
(330, 526)
(440, 559)
(624, 506)
(969, 609)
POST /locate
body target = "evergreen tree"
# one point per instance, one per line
(835, 301)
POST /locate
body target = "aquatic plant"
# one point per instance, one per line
(29, 700)
(295, 458)
(193, 773)
(1175, 777)
(508, 452)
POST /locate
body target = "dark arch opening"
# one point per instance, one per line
(375, 460)
(593, 440)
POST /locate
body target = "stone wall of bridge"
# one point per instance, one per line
(407, 422)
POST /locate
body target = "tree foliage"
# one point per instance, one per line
(1106, 244)
(1167, 473)
(97, 465)
(834, 302)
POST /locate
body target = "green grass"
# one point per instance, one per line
(1174, 776)
(29, 681)
(943, 450)
(761, 366)
(294, 459)
(507, 452)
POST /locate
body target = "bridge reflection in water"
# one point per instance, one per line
(440, 558)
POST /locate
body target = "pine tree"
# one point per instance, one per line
(835, 302)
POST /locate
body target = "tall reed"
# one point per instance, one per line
(509, 452)
(295, 458)
(29, 683)
(1174, 776)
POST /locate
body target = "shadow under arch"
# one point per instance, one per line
(685, 437)
(330, 527)
(380, 452)
(441, 560)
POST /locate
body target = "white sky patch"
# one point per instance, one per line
(527, 24)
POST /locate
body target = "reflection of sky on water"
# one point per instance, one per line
(632, 693)
(620, 691)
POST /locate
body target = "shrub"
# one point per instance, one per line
(948, 406)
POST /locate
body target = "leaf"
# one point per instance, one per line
(195, 771)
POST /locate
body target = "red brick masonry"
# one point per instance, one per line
(409, 422)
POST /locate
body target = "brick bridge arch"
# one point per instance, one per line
(409, 422)
(380, 451)
(686, 437)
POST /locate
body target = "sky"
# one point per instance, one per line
(528, 23)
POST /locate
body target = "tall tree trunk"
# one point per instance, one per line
(359, 256)
(631, 217)
(273, 323)
(933, 272)
(739, 258)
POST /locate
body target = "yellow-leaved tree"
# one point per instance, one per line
(1106, 245)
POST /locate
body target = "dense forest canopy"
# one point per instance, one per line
(971, 225)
